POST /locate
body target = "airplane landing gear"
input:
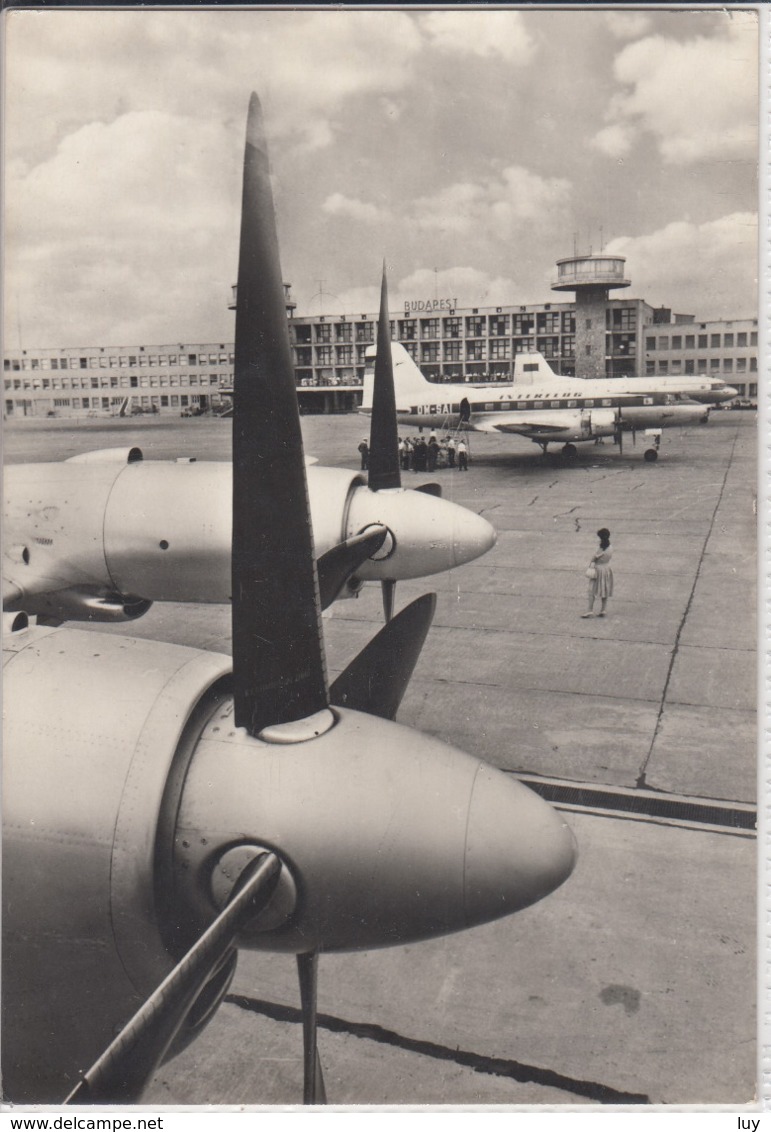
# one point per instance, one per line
(652, 454)
(569, 451)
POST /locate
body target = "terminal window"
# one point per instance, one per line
(741, 339)
(650, 343)
(690, 342)
(715, 341)
(677, 342)
(548, 323)
(702, 341)
(523, 323)
(728, 341)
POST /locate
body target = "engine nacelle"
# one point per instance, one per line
(163, 530)
(117, 822)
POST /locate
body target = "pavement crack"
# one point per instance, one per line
(480, 1063)
(641, 779)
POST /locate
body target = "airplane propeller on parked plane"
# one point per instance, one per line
(287, 817)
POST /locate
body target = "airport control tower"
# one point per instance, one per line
(591, 277)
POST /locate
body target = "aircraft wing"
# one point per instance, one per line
(548, 422)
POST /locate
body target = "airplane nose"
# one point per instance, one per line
(472, 536)
(518, 849)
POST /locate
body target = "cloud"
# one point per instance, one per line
(486, 34)
(99, 224)
(306, 65)
(697, 97)
(497, 206)
(627, 25)
(615, 141)
(340, 205)
(702, 269)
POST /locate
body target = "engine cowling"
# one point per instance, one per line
(117, 822)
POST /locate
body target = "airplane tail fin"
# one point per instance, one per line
(407, 377)
(530, 368)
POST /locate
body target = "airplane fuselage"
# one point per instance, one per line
(581, 410)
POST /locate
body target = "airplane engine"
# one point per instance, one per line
(602, 422)
(126, 830)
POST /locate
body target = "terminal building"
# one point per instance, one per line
(592, 335)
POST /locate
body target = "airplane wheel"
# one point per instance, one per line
(569, 451)
(650, 455)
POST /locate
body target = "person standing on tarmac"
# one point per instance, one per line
(600, 575)
(462, 457)
(364, 453)
(450, 453)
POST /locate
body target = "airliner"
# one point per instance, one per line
(538, 404)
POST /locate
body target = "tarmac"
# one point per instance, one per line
(635, 983)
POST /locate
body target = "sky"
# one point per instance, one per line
(471, 149)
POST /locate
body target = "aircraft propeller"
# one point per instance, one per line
(280, 686)
(342, 795)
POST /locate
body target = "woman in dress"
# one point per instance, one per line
(601, 585)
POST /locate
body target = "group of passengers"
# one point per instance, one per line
(427, 455)
(422, 455)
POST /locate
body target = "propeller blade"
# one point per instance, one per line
(388, 590)
(376, 680)
(121, 1073)
(279, 669)
(313, 1078)
(384, 434)
(342, 561)
(430, 489)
